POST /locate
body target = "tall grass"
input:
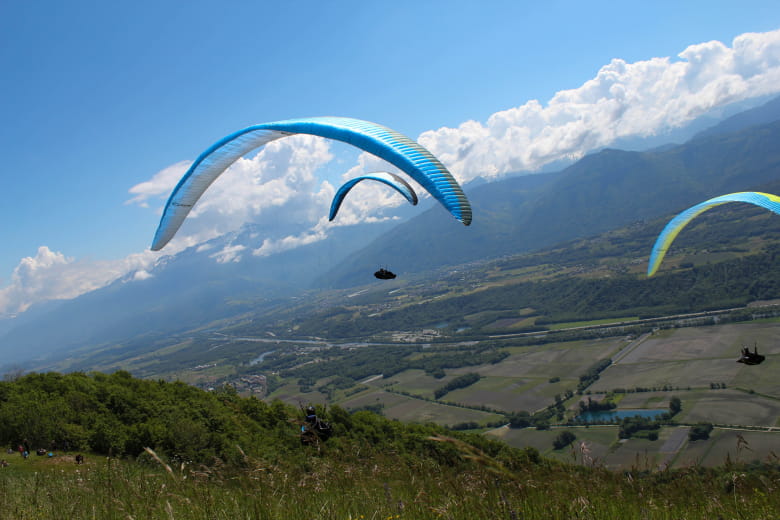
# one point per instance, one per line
(380, 487)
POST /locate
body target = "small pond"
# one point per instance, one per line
(611, 415)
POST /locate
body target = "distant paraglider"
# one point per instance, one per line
(751, 358)
(384, 274)
(391, 179)
(670, 232)
(395, 148)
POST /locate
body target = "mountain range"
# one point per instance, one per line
(604, 190)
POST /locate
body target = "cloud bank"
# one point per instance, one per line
(279, 192)
(624, 99)
(50, 275)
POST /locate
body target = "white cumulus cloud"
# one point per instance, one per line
(50, 275)
(623, 99)
(160, 185)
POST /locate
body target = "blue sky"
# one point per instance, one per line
(98, 97)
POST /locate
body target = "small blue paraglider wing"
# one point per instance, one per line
(397, 149)
(391, 179)
(673, 228)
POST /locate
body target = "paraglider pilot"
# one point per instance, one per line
(384, 274)
(311, 415)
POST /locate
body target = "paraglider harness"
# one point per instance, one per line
(314, 429)
(384, 274)
(751, 358)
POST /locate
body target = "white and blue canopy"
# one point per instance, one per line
(394, 181)
(395, 148)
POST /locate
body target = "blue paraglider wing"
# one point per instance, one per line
(673, 228)
(397, 149)
(391, 179)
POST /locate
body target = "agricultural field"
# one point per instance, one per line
(674, 374)
(698, 366)
(413, 381)
(731, 444)
(696, 357)
(685, 362)
(600, 446)
(649, 400)
(727, 406)
(565, 360)
(409, 409)
(291, 394)
(719, 341)
(599, 440)
(695, 364)
(505, 393)
(521, 382)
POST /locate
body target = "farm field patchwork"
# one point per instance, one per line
(414, 381)
(674, 373)
(651, 400)
(599, 445)
(409, 409)
(763, 379)
(599, 441)
(730, 444)
(564, 360)
(728, 406)
(697, 357)
(503, 393)
(695, 364)
(695, 343)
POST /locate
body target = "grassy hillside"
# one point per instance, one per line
(255, 466)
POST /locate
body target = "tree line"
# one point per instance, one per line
(119, 415)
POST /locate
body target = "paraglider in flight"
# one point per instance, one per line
(751, 358)
(391, 179)
(384, 274)
(669, 233)
(397, 149)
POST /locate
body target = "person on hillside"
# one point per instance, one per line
(311, 415)
(317, 425)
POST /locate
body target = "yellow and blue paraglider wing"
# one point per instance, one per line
(673, 228)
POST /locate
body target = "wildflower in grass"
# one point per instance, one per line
(581, 503)
(585, 455)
